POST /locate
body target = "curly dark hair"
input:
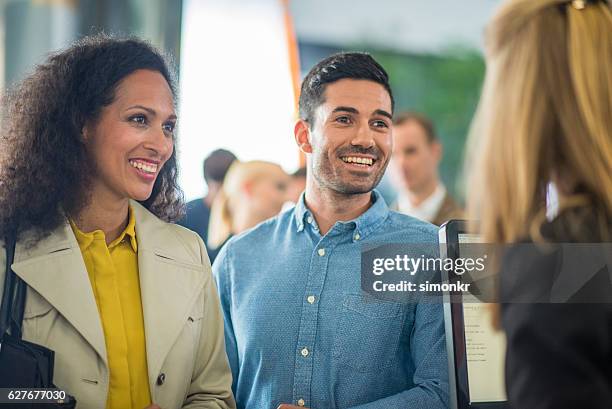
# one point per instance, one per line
(44, 168)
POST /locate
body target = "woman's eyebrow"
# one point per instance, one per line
(149, 110)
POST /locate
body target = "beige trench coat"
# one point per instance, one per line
(186, 357)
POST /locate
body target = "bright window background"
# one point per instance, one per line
(235, 90)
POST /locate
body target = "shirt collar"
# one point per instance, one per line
(428, 209)
(85, 239)
(363, 225)
(301, 212)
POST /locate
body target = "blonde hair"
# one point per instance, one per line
(222, 209)
(545, 112)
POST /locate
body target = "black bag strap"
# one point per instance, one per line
(18, 306)
(6, 307)
(13, 294)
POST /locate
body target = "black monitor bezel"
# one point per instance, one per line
(453, 319)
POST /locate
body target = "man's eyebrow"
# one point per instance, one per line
(383, 113)
(345, 109)
(149, 110)
(355, 111)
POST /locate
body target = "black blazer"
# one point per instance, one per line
(559, 356)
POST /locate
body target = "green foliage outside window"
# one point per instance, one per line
(446, 88)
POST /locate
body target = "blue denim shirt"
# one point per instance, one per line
(299, 331)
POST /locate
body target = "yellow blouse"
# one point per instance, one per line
(113, 272)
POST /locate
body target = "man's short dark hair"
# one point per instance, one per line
(217, 164)
(422, 120)
(357, 66)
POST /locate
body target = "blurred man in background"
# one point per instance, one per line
(414, 171)
(198, 211)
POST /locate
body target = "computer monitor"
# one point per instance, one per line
(476, 351)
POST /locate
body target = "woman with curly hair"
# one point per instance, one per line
(88, 181)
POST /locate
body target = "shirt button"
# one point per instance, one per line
(311, 299)
(305, 352)
(321, 252)
(161, 379)
(301, 402)
(309, 219)
(357, 236)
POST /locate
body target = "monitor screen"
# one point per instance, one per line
(484, 347)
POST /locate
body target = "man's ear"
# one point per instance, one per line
(301, 132)
(437, 150)
(247, 187)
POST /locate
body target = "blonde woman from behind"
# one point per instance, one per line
(545, 117)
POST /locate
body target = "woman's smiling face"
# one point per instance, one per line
(132, 138)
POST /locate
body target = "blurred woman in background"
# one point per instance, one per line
(252, 192)
(545, 117)
(88, 181)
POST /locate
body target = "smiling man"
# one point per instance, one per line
(299, 331)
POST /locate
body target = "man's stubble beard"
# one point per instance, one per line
(326, 178)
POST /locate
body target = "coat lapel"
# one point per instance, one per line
(54, 267)
(170, 282)
(171, 278)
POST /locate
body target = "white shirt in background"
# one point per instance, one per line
(552, 201)
(428, 209)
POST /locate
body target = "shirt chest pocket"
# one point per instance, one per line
(38, 317)
(369, 333)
